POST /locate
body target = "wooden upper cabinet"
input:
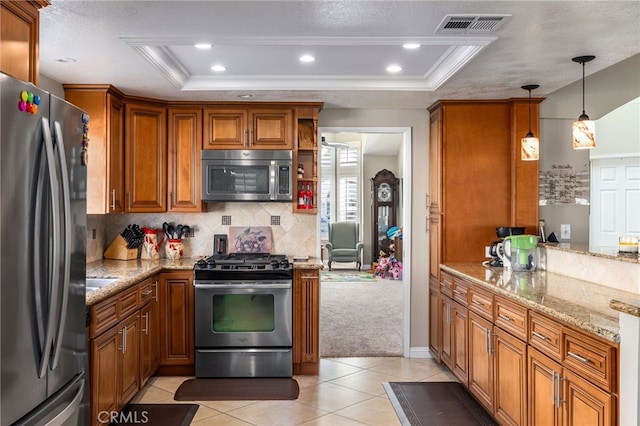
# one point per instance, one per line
(145, 158)
(183, 179)
(240, 128)
(105, 170)
(20, 38)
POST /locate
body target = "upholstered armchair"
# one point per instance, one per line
(344, 244)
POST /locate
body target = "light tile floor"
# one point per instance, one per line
(348, 391)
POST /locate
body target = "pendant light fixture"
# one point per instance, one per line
(584, 130)
(530, 145)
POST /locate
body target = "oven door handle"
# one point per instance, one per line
(242, 285)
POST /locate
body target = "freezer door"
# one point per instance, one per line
(23, 285)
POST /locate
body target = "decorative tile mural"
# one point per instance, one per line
(296, 234)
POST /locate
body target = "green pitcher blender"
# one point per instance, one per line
(520, 252)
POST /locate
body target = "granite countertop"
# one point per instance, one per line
(131, 272)
(581, 303)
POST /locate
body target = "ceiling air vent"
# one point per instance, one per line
(465, 24)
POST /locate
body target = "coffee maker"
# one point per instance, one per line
(501, 232)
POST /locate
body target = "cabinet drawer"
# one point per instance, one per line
(511, 317)
(148, 290)
(545, 335)
(481, 302)
(446, 284)
(461, 292)
(591, 358)
(128, 300)
(103, 316)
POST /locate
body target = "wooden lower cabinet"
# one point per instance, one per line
(149, 340)
(434, 322)
(481, 360)
(460, 331)
(446, 332)
(115, 368)
(177, 335)
(510, 362)
(557, 396)
(306, 321)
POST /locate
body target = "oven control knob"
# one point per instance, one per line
(211, 264)
(201, 263)
(284, 264)
(274, 264)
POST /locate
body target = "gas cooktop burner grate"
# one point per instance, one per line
(256, 262)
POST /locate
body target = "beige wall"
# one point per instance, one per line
(418, 121)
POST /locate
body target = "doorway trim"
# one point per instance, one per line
(406, 218)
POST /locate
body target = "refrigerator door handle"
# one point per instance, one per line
(70, 409)
(54, 270)
(66, 241)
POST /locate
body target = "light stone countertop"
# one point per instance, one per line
(580, 303)
(131, 272)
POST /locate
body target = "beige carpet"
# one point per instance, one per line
(359, 319)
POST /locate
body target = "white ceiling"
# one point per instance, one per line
(145, 48)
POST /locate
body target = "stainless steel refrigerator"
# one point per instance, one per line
(42, 262)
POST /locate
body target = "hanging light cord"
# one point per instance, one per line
(529, 115)
(583, 113)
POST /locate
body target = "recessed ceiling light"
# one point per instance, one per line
(411, 45)
(66, 60)
(307, 58)
(203, 45)
(219, 68)
(394, 68)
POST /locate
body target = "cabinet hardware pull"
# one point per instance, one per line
(113, 199)
(539, 336)
(553, 388)
(129, 196)
(309, 277)
(504, 317)
(559, 399)
(124, 339)
(486, 338)
(246, 134)
(458, 292)
(146, 323)
(250, 137)
(475, 302)
(147, 292)
(155, 287)
(578, 357)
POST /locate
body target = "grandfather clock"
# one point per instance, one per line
(384, 195)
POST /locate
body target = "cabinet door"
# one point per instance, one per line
(511, 378)
(115, 155)
(435, 318)
(185, 142)
(149, 341)
(225, 129)
(105, 370)
(271, 129)
(481, 360)
(460, 355)
(543, 374)
(446, 326)
(433, 197)
(177, 345)
(145, 156)
(20, 38)
(306, 322)
(129, 333)
(586, 404)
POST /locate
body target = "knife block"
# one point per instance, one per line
(118, 250)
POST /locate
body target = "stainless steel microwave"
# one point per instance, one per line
(247, 175)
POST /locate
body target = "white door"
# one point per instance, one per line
(615, 201)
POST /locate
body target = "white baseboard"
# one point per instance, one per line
(420, 352)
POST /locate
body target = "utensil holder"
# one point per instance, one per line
(118, 250)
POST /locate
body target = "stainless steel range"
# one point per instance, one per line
(243, 315)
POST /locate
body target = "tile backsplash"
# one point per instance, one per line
(293, 234)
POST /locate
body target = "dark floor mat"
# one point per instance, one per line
(238, 389)
(436, 404)
(156, 414)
